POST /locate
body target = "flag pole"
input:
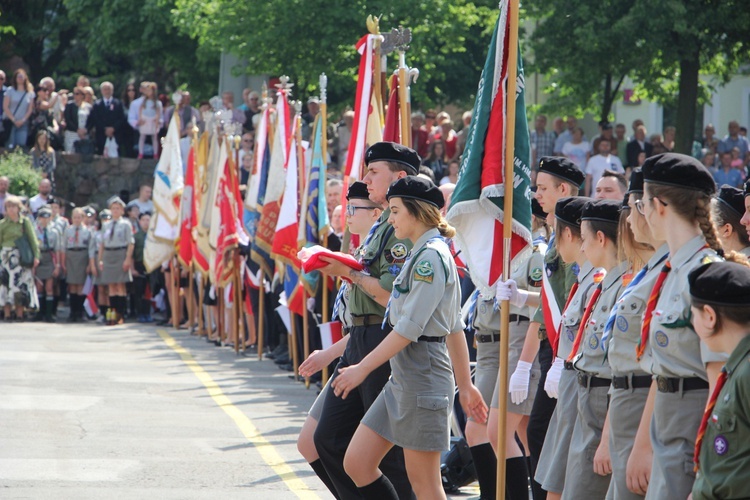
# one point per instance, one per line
(261, 307)
(305, 319)
(236, 274)
(324, 146)
(510, 136)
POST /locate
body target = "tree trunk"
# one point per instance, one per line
(686, 103)
(608, 98)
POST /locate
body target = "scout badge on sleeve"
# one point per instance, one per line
(423, 271)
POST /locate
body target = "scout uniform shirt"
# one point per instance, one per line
(383, 257)
(571, 316)
(724, 456)
(676, 348)
(626, 331)
(49, 239)
(561, 277)
(60, 224)
(76, 238)
(591, 360)
(117, 234)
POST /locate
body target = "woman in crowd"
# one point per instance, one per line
(18, 104)
(361, 214)
(437, 159)
(43, 156)
(149, 118)
(78, 260)
(719, 293)
(577, 150)
(631, 384)
(116, 258)
(128, 134)
(451, 175)
(17, 288)
(727, 210)
(42, 118)
(50, 264)
(413, 409)
(677, 207)
(74, 130)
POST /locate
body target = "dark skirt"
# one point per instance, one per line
(113, 273)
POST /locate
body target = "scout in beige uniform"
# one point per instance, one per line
(523, 293)
(632, 386)
(589, 468)
(49, 263)
(677, 200)
(550, 473)
(383, 256)
(116, 257)
(720, 293)
(102, 291)
(727, 210)
(361, 215)
(414, 407)
(78, 258)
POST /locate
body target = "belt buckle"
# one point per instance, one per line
(662, 383)
(583, 379)
(620, 382)
(568, 365)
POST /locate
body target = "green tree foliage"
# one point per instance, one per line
(305, 38)
(16, 165)
(585, 48)
(106, 39)
(684, 40)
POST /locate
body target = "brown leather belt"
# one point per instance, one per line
(367, 320)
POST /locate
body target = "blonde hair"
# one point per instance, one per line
(78, 210)
(629, 247)
(429, 215)
(695, 206)
(13, 201)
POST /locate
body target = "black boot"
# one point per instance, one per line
(76, 309)
(320, 471)
(380, 489)
(49, 310)
(39, 316)
(485, 464)
(516, 479)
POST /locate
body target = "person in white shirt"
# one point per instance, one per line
(597, 164)
(143, 202)
(135, 107)
(39, 200)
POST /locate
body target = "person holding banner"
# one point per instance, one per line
(557, 178)
(522, 290)
(719, 295)
(78, 258)
(383, 255)
(550, 473)
(361, 215)
(676, 205)
(414, 407)
(588, 475)
(632, 390)
(116, 258)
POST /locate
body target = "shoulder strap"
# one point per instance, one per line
(383, 242)
(19, 103)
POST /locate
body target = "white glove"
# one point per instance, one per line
(518, 386)
(508, 290)
(552, 384)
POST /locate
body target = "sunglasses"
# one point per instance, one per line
(351, 209)
(77, 93)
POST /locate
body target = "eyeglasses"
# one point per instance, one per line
(351, 209)
(639, 205)
(77, 93)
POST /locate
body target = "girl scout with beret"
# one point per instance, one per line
(116, 257)
(49, 263)
(727, 210)
(361, 215)
(632, 385)
(589, 468)
(550, 473)
(523, 292)
(677, 207)
(720, 292)
(78, 258)
(413, 409)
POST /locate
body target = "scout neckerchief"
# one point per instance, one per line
(706, 415)
(585, 319)
(573, 291)
(76, 240)
(550, 308)
(650, 306)
(609, 326)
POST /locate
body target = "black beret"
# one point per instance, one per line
(54, 201)
(396, 153)
(678, 170)
(733, 198)
(358, 191)
(636, 181)
(570, 209)
(721, 283)
(602, 211)
(562, 168)
(625, 200)
(417, 188)
(747, 188)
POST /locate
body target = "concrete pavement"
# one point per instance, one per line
(138, 412)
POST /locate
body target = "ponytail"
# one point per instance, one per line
(703, 218)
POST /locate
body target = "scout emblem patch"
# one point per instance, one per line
(721, 445)
(661, 339)
(423, 271)
(399, 251)
(535, 277)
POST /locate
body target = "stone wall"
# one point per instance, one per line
(93, 179)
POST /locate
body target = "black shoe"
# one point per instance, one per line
(287, 367)
(282, 360)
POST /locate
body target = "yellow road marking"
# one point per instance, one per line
(264, 447)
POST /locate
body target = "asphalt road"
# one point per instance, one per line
(134, 412)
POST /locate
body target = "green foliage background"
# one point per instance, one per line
(24, 180)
